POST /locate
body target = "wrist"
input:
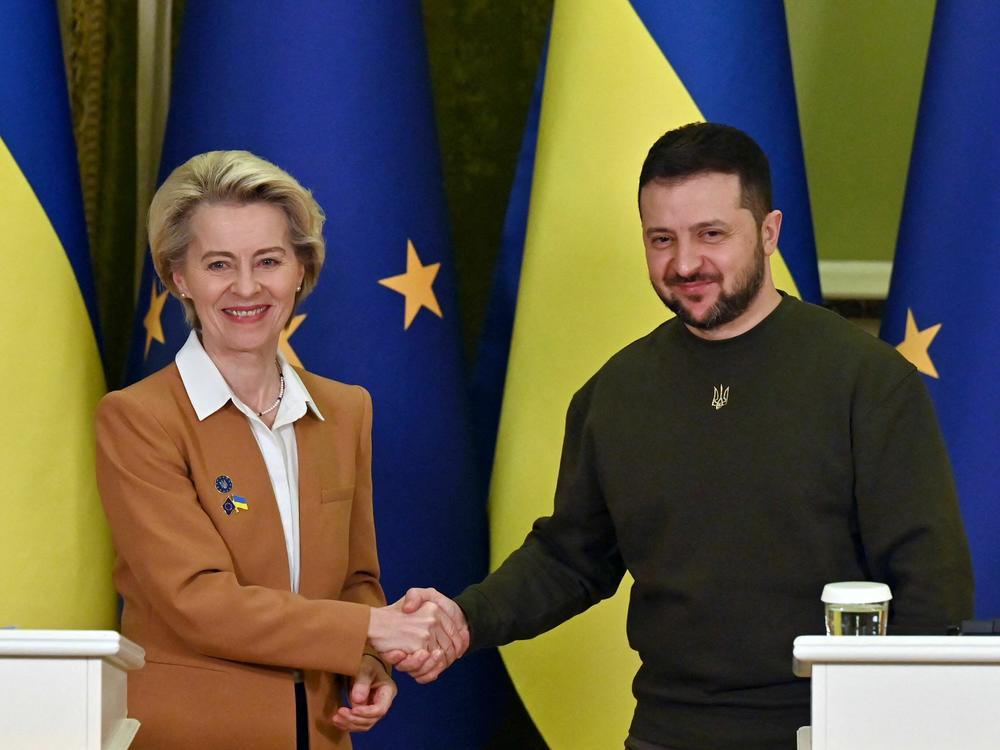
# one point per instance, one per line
(380, 660)
(377, 627)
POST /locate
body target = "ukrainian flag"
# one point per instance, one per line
(339, 95)
(944, 298)
(56, 552)
(618, 75)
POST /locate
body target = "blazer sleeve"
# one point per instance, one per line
(185, 570)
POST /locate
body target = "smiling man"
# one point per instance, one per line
(734, 460)
(707, 254)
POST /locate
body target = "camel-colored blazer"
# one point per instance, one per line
(208, 594)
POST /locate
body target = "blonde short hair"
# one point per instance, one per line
(231, 177)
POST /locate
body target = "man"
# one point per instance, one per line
(734, 460)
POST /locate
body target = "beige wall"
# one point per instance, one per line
(858, 68)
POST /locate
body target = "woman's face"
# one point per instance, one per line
(241, 273)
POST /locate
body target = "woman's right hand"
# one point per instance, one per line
(429, 629)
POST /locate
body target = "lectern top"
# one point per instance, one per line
(893, 649)
(104, 644)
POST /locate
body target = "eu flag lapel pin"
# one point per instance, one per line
(232, 503)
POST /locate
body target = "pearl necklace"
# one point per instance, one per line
(281, 392)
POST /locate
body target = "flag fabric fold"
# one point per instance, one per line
(56, 551)
(339, 95)
(943, 296)
(617, 76)
(486, 387)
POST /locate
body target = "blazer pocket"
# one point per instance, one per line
(338, 495)
(181, 663)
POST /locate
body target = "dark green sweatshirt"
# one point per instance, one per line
(733, 479)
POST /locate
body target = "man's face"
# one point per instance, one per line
(706, 257)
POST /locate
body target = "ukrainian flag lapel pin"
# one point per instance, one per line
(232, 503)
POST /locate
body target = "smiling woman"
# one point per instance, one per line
(238, 490)
(241, 276)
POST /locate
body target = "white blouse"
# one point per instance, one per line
(209, 392)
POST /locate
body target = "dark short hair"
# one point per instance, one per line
(702, 147)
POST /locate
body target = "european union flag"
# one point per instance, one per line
(944, 302)
(58, 564)
(338, 94)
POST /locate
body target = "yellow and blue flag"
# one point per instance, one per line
(618, 74)
(944, 300)
(56, 553)
(339, 95)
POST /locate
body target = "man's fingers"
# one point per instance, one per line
(393, 657)
(431, 670)
(415, 598)
(445, 643)
(458, 643)
(430, 676)
(412, 661)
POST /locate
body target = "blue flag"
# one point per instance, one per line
(338, 94)
(56, 548)
(943, 299)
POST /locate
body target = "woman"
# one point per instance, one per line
(238, 490)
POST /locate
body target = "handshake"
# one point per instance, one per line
(421, 634)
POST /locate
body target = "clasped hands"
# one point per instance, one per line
(421, 634)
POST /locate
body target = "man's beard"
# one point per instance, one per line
(730, 305)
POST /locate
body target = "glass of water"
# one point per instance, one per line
(856, 608)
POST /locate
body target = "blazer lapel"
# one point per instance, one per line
(254, 534)
(307, 439)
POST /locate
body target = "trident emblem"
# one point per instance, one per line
(720, 396)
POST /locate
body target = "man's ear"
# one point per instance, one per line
(770, 228)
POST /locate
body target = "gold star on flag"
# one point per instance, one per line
(152, 324)
(915, 344)
(416, 285)
(284, 346)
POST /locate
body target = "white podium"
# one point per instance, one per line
(902, 692)
(65, 689)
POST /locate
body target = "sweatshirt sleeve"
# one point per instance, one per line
(908, 510)
(568, 562)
